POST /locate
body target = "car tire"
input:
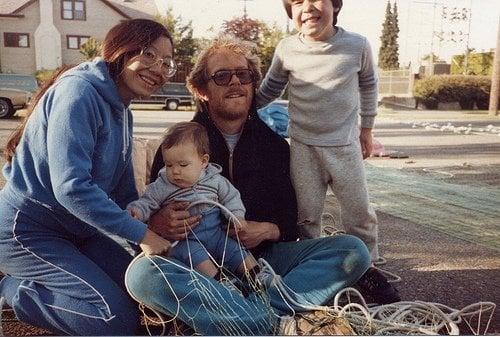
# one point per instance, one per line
(172, 105)
(6, 108)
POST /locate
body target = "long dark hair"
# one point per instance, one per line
(126, 39)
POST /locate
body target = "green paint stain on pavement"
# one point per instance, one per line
(471, 213)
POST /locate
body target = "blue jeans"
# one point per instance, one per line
(314, 269)
(68, 285)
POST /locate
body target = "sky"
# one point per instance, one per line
(417, 20)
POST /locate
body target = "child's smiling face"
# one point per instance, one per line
(313, 18)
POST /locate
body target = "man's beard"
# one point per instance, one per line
(232, 115)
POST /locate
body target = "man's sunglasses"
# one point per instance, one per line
(224, 77)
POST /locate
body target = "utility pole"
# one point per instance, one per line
(466, 61)
(434, 4)
(495, 78)
(432, 36)
(245, 13)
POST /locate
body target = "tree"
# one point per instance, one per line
(267, 45)
(265, 37)
(91, 48)
(388, 56)
(185, 46)
(244, 28)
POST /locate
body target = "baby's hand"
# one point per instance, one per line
(133, 213)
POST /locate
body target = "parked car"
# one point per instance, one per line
(15, 92)
(172, 95)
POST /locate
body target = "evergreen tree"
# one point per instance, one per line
(388, 56)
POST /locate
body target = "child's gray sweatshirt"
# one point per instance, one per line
(211, 186)
(330, 84)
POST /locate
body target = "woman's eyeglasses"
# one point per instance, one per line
(224, 77)
(149, 58)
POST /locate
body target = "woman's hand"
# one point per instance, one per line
(153, 244)
(173, 221)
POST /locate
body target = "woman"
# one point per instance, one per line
(69, 177)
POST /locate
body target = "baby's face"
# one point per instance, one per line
(184, 164)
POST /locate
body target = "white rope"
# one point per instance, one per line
(233, 323)
(2, 301)
(411, 317)
(397, 318)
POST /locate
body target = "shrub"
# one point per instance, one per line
(43, 75)
(466, 90)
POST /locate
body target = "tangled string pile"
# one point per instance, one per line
(412, 318)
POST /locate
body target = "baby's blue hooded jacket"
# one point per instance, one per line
(73, 163)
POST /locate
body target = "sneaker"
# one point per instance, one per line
(265, 278)
(375, 285)
(231, 285)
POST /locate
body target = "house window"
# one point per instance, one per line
(73, 10)
(19, 40)
(76, 41)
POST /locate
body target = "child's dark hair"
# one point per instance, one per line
(185, 132)
(337, 4)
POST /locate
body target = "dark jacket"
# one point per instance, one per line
(261, 172)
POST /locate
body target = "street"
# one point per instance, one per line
(450, 257)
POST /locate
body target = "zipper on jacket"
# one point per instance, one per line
(230, 162)
(230, 165)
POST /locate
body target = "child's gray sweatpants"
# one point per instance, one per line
(313, 168)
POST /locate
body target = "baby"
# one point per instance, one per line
(188, 176)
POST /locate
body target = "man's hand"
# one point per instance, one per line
(256, 232)
(171, 220)
(153, 244)
(366, 140)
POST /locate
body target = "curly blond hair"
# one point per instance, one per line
(198, 78)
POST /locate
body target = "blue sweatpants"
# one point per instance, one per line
(314, 269)
(66, 284)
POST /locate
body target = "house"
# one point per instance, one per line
(44, 34)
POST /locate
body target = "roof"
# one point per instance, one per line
(135, 8)
(126, 8)
(9, 7)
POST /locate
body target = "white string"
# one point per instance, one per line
(233, 323)
(397, 318)
(2, 301)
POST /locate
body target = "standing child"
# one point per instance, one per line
(331, 80)
(188, 176)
